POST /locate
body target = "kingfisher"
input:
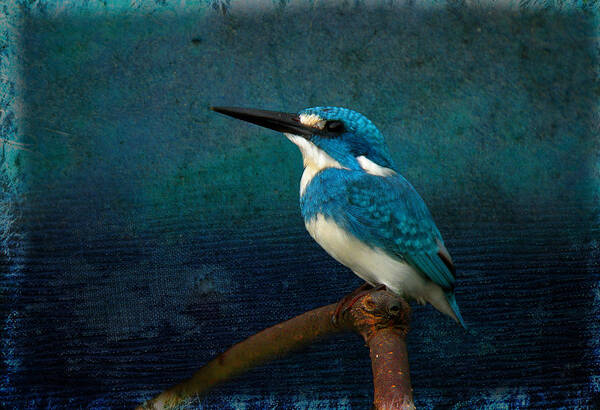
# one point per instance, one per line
(358, 207)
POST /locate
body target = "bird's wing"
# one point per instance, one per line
(389, 213)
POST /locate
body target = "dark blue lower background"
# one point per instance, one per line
(112, 319)
(152, 234)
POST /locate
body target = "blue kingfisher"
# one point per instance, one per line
(358, 207)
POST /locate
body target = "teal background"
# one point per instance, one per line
(143, 234)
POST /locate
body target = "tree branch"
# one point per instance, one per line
(379, 317)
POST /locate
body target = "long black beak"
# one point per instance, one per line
(278, 121)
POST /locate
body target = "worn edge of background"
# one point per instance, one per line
(14, 190)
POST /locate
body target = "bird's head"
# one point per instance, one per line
(326, 136)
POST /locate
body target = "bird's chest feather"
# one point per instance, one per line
(372, 264)
(341, 245)
(324, 206)
(324, 192)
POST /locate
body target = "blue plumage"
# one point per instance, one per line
(358, 207)
(361, 137)
(384, 212)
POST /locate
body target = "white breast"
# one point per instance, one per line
(315, 160)
(371, 264)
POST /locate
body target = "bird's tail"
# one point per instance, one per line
(452, 302)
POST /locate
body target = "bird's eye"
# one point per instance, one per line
(336, 127)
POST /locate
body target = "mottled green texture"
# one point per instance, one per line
(158, 232)
(464, 97)
(10, 132)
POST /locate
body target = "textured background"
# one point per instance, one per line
(144, 234)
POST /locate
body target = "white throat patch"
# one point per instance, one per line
(315, 160)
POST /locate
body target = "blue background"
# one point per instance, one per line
(143, 234)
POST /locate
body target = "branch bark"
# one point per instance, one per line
(381, 318)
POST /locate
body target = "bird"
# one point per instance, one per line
(359, 208)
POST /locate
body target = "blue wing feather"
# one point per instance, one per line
(388, 212)
(384, 211)
(427, 264)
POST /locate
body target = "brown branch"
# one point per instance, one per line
(383, 321)
(379, 317)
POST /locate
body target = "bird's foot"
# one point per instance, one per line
(348, 301)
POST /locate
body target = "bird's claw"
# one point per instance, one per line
(347, 302)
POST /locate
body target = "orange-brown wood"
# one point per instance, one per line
(379, 317)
